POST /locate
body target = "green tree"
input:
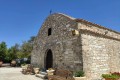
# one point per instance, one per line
(32, 38)
(12, 52)
(3, 51)
(20, 55)
(27, 47)
(16, 51)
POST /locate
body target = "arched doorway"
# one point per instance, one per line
(49, 59)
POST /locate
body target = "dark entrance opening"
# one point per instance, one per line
(49, 59)
(49, 31)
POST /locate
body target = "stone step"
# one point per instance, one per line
(42, 75)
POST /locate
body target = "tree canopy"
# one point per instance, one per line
(17, 51)
(3, 50)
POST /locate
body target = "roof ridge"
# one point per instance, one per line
(100, 26)
(65, 15)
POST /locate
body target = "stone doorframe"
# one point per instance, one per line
(48, 59)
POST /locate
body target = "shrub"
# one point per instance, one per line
(116, 73)
(79, 74)
(23, 64)
(110, 76)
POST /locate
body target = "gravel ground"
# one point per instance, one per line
(10, 73)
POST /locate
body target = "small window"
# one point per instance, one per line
(49, 31)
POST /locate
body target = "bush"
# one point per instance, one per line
(23, 64)
(116, 73)
(110, 76)
(79, 74)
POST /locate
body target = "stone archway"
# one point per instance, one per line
(49, 59)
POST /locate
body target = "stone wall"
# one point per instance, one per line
(65, 46)
(95, 49)
(101, 52)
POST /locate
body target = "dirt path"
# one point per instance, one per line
(9, 73)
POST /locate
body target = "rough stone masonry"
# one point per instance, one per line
(76, 44)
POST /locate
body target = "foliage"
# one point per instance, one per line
(26, 48)
(23, 64)
(116, 73)
(12, 52)
(79, 74)
(50, 69)
(110, 76)
(31, 41)
(3, 51)
(20, 54)
(17, 51)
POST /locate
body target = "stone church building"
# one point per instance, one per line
(76, 44)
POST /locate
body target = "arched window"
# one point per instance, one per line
(49, 31)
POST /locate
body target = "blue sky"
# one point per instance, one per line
(21, 19)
